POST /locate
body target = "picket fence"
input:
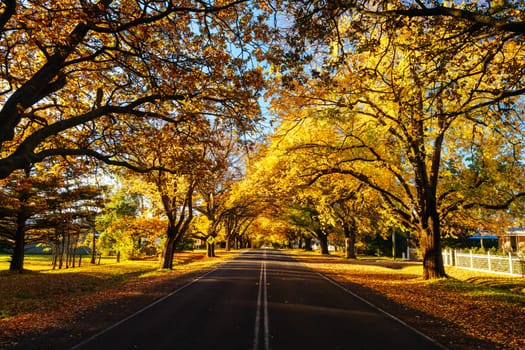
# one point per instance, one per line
(501, 264)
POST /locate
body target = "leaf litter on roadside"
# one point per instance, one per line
(457, 311)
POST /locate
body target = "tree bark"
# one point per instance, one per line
(210, 250)
(167, 254)
(67, 247)
(94, 248)
(323, 241)
(169, 247)
(308, 244)
(228, 244)
(430, 243)
(17, 259)
(61, 250)
(55, 252)
(350, 248)
(350, 238)
(74, 251)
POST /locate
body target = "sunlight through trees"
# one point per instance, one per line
(386, 116)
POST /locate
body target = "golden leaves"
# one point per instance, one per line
(125, 52)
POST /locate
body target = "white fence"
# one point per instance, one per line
(507, 265)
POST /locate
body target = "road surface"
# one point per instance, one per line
(261, 300)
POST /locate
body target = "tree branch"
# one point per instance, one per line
(24, 154)
(9, 11)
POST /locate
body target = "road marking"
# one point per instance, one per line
(86, 341)
(266, 322)
(384, 312)
(256, 329)
(262, 303)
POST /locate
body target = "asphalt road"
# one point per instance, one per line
(261, 300)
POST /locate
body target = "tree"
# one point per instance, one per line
(44, 198)
(318, 18)
(237, 221)
(222, 154)
(290, 170)
(277, 180)
(72, 205)
(181, 148)
(177, 200)
(125, 227)
(417, 113)
(351, 209)
(251, 208)
(79, 76)
(21, 200)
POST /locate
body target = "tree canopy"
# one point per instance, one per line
(426, 108)
(80, 78)
(391, 114)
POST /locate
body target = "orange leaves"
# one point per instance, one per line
(132, 56)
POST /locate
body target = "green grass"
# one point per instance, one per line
(475, 284)
(35, 262)
(44, 262)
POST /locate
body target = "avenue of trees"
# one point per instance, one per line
(422, 104)
(390, 116)
(112, 81)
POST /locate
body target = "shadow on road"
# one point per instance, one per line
(445, 332)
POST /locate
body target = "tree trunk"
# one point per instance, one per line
(431, 250)
(350, 248)
(74, 251)
(17, 259)
(167, 254)
(323, 241)
(94, 249)
(350, 238)
(210, 250)
(61, 251)
(228, 244)
(55, 257)
(67, 247)
(308, 244)
(55, 253)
